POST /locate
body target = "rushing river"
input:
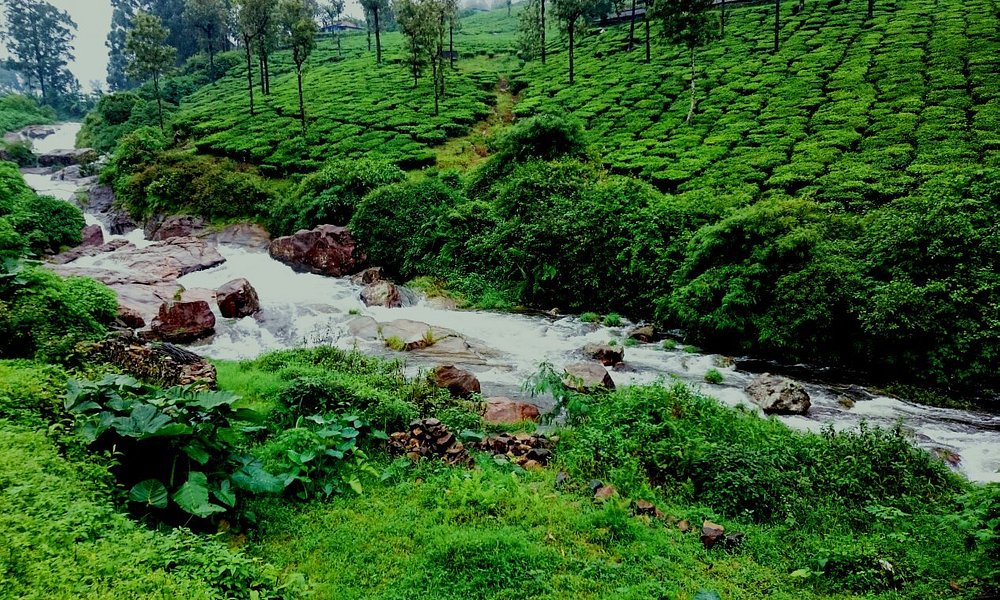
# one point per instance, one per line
(304, 309)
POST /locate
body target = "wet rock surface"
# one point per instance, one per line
(180, 321)
(459, 382)
(778, 395)
(237, 299)
(503, 410)
(161, 228)
(325, 250)
(587, 377)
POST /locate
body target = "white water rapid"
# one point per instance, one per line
(303, 309)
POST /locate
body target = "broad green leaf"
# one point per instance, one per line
(197, 452)
(192, 497)
(253, 478)
(225, 494)
(212, 400)
(356, 486)
(150, 492)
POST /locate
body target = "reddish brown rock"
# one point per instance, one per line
(325, 250)
(587, 377)
(183, 321)
(644, 333)
(459, 382)
(92, 236)
(237, 299)
(368, 276)
(608, 355)
(131, 317)
(504, 410)
(382, 293)
(711, 534)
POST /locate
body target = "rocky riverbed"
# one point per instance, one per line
(183, 261)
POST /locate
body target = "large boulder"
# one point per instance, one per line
(243, 235)
(65, 158)
(778, 395)
(237, 299)
(382, 293)
(459, 382)
(608, 355)
(586, 377)
(325, 250)
(100, 198)
(368, 276)
(504, 411)
(161, 228)
(183, 321)
(92, 236)
(643, 333)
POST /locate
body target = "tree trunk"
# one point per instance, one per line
(434, 67)
(722, 18)
(378, 40)
(159, 102)
(416, 57)
(249, 75)
(369, 30)
(802, 6)
(542, 6)
(267, 73)
(570, 30)
(508, 7)
(260, 65)
(777, 25)
(646, 19)
(302, 102)
(693, 87)
(211, 60)
(451, 40)
(631, 28)
(871, 9)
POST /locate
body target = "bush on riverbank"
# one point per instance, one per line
(18, 111)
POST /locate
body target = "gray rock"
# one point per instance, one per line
(778, 395)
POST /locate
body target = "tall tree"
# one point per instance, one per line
(171, 13)
(688, 22)
(529, 30)
(573, 14)
(247, 32)
(39, 38)
(332, 11)
(147, 54)
(413, 26)
(210, 18)
(121, 21)
(298, 31)
(376, 9)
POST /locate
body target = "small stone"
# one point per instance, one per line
(532, 465)
(539, 454)
(562, 478)
(607, 355)
(684, 526)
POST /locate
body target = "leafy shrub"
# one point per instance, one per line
(17, 111)
(47, 224)
(320, 455)
(45, 316)
(18, 152)
(713, 376)
(175, 447)
(741, 465)
(330, 195)
(396, 225)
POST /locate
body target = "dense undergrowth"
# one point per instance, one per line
(847, 515)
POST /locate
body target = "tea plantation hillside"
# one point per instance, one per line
(850, 111)
(353, 105)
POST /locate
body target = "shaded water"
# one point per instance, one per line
(304, 309)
